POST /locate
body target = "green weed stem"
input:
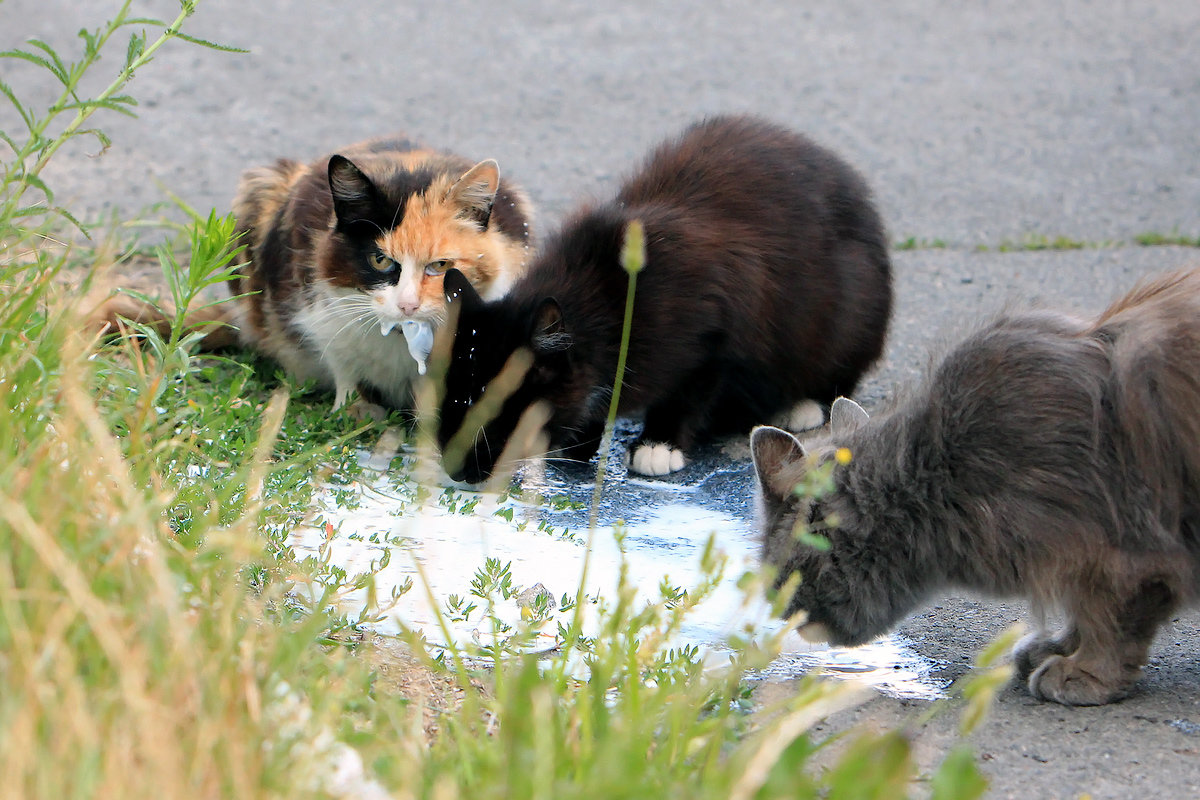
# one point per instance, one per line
(633, 260)
(138, 55)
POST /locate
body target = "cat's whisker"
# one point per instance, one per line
(375, 225)
(369, 322)
(351, 311)
(361, 323)
(352, 319)
(349, 300)
(553, 459)
(347, 312)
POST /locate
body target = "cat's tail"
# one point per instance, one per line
(219, 322)
(260, 196)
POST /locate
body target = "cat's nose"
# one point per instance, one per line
(409, 308)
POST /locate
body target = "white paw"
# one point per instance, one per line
(656, 458)
(803, 416)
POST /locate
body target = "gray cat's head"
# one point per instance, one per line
(822, 597)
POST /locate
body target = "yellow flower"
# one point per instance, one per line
(842, 456)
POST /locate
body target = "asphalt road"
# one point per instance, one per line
(980, 125)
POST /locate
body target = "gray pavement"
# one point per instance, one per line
(978, 124)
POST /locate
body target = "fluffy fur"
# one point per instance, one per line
(1047, 456)
(342, 250)
(767, 285)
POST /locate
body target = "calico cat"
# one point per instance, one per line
(1048, 457)
(766, 291)
(345, 250)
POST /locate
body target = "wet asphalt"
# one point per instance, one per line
(986, 129)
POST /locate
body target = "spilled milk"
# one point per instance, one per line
(438, 538)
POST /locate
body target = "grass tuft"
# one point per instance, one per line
(1174, 239)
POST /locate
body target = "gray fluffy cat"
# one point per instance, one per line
(1047, 457)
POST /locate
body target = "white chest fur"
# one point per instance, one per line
(342, 326)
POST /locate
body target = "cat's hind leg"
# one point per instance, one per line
(804, 416)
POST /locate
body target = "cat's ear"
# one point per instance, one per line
(475, 192)
(779, 459)
(355, 197)
(549, 333)
(458, 289)
(846, 416)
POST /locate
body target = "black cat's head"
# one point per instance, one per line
(506, 363)
(829, 609)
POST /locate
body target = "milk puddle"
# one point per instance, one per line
(450, 533)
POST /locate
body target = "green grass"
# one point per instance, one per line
(159, 637)
(915, 243)
(1037, 242)
(1152, 239)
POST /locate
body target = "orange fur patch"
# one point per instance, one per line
(431, 230)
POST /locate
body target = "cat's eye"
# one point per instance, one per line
(381, 262)
(439, 266)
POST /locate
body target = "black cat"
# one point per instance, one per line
(766, 294)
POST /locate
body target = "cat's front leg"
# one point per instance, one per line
(1034, 649)
(340, 395)
(673, 423)
(360, 408)
(656, 458)
(804, 416)
(1113, 645)
(660, 448)
(1077, 680)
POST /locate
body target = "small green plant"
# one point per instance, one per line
(1037, 242)
(915, 243)
(816, 484)
(1173, 239)
(44, 132)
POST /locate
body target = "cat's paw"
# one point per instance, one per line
(804, 416)
(364, 411)
(358, 408)
(656, 458)
(1065, 680)
(1035, 648)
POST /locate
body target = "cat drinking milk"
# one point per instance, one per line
(765, 294)
(1047, 457)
